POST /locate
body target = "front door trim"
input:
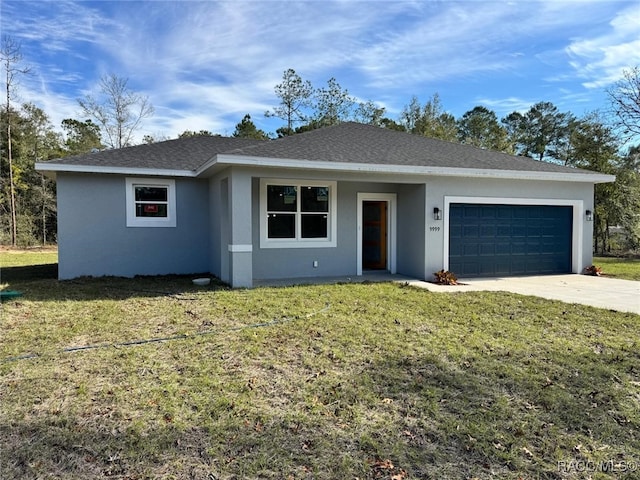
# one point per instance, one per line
(391, 199)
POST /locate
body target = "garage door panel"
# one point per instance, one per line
(520, 214)
(503, 248)
(534, 229)
(486, 269)
(488, 230)
(471, 267)
(470, 230)
(470, 249)
(518, 266)
(503, 212)
(519, 230)
(533, 248)
(487, 213)
(487, 249)
(455, 251)
(503, 267)
(503, 231)
(471, 211)
(492, 240)
(518, 248)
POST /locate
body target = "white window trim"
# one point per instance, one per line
(132, 220)
(576, 228)
(332, 225)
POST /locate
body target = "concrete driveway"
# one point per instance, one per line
(602, 292)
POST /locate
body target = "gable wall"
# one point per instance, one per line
(93, 238)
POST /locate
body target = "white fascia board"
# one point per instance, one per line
(60, 167)
(331, 166)
(411, 169)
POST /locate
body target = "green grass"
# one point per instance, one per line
(624, 268)
(28, 264)
(317, 382)
(22, 258)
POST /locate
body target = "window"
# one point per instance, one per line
(150, 202)
(297, 214)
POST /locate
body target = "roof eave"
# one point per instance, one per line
(230, 160)
(50, 169)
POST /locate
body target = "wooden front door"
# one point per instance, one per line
(374, 235)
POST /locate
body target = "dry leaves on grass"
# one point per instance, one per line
(386, 469)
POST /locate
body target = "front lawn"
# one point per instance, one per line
(624, 268)
(375, 381)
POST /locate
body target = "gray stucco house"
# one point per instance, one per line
(337, 201)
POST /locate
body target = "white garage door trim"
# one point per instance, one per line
(576, 228)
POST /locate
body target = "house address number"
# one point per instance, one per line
(434, 229)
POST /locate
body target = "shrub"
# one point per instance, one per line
(445, 277)
(593, 270)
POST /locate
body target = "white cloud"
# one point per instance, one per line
(73, 23)
(56, 106)
(464, 39)
(504, 106)
(600, 60)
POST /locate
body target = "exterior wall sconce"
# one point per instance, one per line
(589, 215)
(437, 214)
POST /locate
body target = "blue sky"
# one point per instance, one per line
(205, 64)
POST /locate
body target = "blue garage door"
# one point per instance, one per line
(503, 240)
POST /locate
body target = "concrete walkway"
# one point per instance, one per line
(601, 292)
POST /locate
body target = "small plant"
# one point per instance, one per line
(593, 270)
(445, 277)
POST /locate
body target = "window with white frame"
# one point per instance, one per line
(297, 214)
(150, 202)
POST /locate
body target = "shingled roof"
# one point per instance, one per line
(357, 143)
(345, 145)
(180, 154)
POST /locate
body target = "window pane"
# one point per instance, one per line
(281, 198)
(281, 225)
(314, 226)
(151, 210)
(315, 199)
(151, 194)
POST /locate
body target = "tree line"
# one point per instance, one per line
(110, 120)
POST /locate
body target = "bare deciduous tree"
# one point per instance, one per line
(118, 111)
(625, 101)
